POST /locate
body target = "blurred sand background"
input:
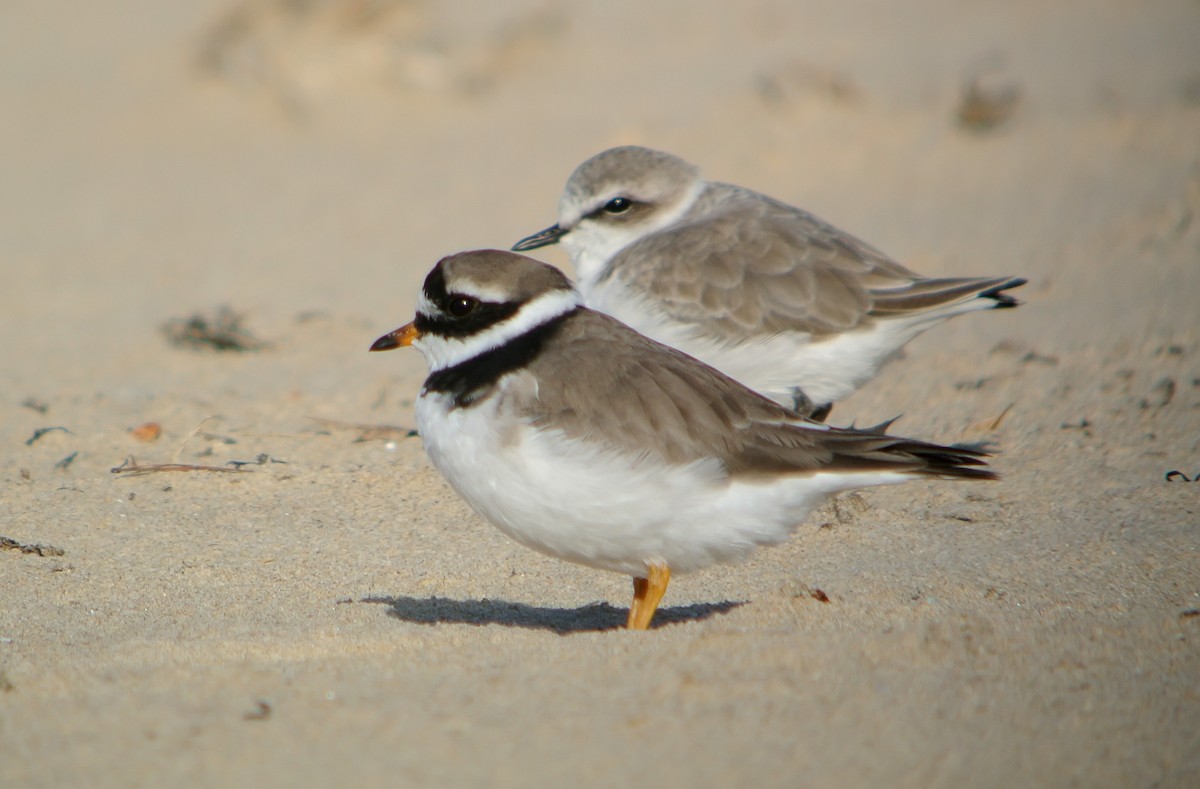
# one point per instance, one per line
(341, 617)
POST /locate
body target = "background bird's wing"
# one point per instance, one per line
(758, 266)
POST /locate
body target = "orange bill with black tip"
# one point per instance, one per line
(400, 338)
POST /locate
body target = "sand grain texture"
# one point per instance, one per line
(335, 614)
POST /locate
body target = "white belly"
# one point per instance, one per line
(605, 509)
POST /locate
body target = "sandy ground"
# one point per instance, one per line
(337, 615)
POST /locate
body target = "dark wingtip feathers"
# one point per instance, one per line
(958, 462)
(1001, 298)
(873, 449)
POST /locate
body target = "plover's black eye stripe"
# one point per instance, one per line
(462, 314)
(485, 315)
(460, 306)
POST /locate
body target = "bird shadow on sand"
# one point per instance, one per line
(589, 618)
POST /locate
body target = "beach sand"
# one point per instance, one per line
(334, 614)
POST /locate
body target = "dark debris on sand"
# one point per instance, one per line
(220, 331)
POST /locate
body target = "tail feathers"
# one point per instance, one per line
(872, 448)
(925, 295)
(1003, 299)
(954, 462)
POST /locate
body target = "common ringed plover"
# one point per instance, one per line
(582, 439)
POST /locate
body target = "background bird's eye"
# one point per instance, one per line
(618, 205)
(459, 306)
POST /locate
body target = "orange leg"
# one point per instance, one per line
(647, 592)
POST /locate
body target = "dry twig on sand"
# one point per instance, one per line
(131, 468)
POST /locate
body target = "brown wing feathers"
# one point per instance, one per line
(663, 402)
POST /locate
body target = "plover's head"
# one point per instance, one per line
(476, 301)
(617, 197)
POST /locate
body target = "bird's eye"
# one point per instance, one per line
(618, 205)
(461, 306)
